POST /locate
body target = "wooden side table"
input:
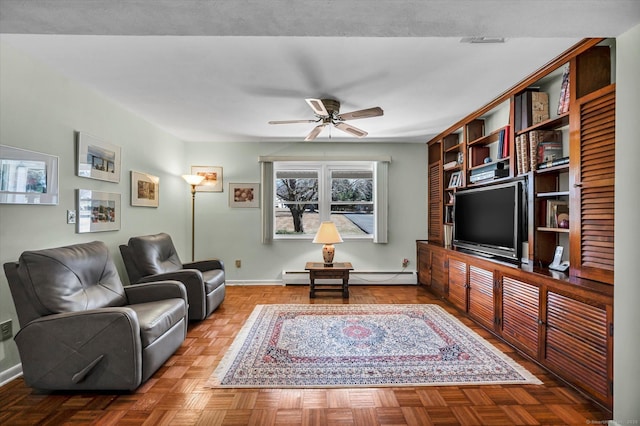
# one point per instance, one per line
(340, 270)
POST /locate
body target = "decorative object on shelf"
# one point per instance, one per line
(244, 195)
(460, 158)
(563, 100)
(194, 181)
(27, 177)
(97, 159)
(145, 189)
(454, 180)
(212, 181)
(97, 211)
(557, 209)
(487, 160)
(450, 165)
(328, 235)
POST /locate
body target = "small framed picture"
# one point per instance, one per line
(145, 189)
(97, 211)
(27, 177)
(454, 180)
(97, 159)
(244, 195)
(212, 178)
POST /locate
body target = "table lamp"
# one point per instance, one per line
(328, 235)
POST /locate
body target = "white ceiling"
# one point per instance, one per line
(220, 70)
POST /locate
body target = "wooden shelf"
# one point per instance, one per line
(554, 169)
(552, 194)
(454, 148)
(552, 123)
(485, 140)
(558, 230)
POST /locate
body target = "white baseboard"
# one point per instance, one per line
(252, 282)
(357, 278)
(12, 373)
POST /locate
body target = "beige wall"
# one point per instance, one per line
(626, 391)
(40, 110)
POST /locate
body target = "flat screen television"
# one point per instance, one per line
(489, 220)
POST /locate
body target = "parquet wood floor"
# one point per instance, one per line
(176, 395)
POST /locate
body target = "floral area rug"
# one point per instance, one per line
(291, 346)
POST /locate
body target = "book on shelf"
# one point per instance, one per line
(531, 107)
(539, 107)
(553, 163)
(523, 153)
(500, 144)
(477, 154)
(450, 165)
(544, 145)
(505, 145)
(448, 235)
(475, 130)
(563, 100)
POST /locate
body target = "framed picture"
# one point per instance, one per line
(557, 212)
(145, 189)
(97, 211)
(244, 195)
(212, 178)
(454, 180)
(97, 159)
(27, 177)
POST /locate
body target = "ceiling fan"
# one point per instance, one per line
(327, 111)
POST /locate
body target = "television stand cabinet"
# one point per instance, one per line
(565, 324)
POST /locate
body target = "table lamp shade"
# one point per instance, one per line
(328, 235)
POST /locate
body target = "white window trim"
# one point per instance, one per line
(381, 199)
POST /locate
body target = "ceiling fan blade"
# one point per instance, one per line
(315, 132)
(351, 130)
(292, 121)
(317, 106)
(362, 113)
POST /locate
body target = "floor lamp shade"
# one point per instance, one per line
(193, 180)
(328, 235)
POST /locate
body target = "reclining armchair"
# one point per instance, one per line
(153, 257)
(81, 329)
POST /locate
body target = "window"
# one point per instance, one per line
(351, 192)
(308, 193)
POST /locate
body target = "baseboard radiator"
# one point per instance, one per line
(357, 278)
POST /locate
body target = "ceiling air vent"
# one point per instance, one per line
(482, 40)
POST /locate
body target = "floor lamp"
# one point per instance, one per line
(193, 180)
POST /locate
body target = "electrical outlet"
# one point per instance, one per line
(5, 330)
(238, 263)
(405, 262)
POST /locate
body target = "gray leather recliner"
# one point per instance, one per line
(154, 257)
(81, 329)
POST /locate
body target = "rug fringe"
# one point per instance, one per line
(227, 360)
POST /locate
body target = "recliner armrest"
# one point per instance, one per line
(205, 265)
(63, 350)
(156, 290)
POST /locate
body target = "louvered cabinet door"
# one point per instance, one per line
(520, 314)
(435, 220)
(481, 305)
(439, 283)
(458, 283)
(577, 344)
(592, 212)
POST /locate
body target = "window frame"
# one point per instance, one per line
(324, 170)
